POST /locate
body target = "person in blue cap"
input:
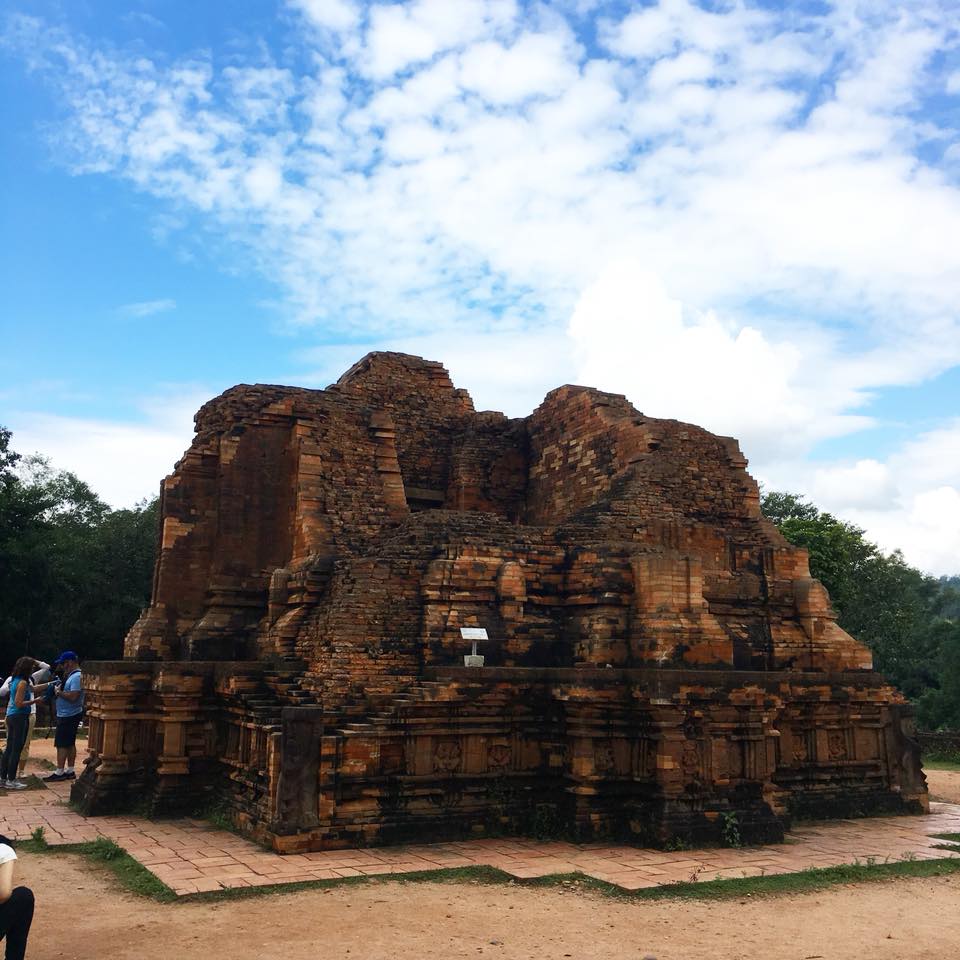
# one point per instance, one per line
(69, 704)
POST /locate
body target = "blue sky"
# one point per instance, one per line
(742, 215)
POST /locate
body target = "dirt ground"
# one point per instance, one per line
(82, 914)
(943, 784)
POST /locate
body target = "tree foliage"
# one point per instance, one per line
(73, 572)
(908, 619)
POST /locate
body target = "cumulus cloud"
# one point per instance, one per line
(632, 337)
(909, 502)
(729, 214)
(538, 64)
(123, 462)
(338, 15)
(780, 397)
(862, 485)
(510, 372)
(453, 160)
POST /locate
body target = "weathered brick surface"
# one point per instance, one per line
(659, 657)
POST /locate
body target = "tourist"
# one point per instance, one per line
(69, 701)
(40, 675)
(16, 905)
(18, 722)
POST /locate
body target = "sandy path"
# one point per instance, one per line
(903, 919)
(914, 919)
(943, 785)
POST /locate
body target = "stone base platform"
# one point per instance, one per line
(655, 757)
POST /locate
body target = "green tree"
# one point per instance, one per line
(903, 615)
(8, 459)
(72, 572)
(121, 553)
(950, 589)
(780, 507)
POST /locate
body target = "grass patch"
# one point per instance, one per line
(941, 757)
(136, 878)
(804, 881)
(131, 875)
(32, 781)
(941, 763)
(952, 837)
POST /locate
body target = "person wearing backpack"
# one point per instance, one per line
(69, 701)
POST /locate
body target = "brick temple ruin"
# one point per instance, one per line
(659, 659)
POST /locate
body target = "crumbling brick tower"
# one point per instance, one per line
(659, 657)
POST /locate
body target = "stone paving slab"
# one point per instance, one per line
(191, 856)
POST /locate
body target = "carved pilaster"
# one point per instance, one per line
(179, 695)
(298, 769)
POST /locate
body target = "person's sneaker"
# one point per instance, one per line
(54, 777)
(69, 775)
(15, 785)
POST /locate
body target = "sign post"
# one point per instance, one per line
(474, 634)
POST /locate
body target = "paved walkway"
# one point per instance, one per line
(191, 856)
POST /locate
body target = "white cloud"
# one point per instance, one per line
(396, 38)
(864, 484)
(147, 308)
(930, 537)
(510, 372)
(142, 18)
(667, 27)
(779, 397)
(401, 34)
(122, 462)
(923, 521)
(338, 15)
(708, 164)
(732, 205)
(909, 500)
(256, 91)
(536, 65)
(933, 458)
(263, 181)
(688, 67)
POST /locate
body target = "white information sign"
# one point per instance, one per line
(473, 633)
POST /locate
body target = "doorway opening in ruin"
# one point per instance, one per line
(422, 498)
